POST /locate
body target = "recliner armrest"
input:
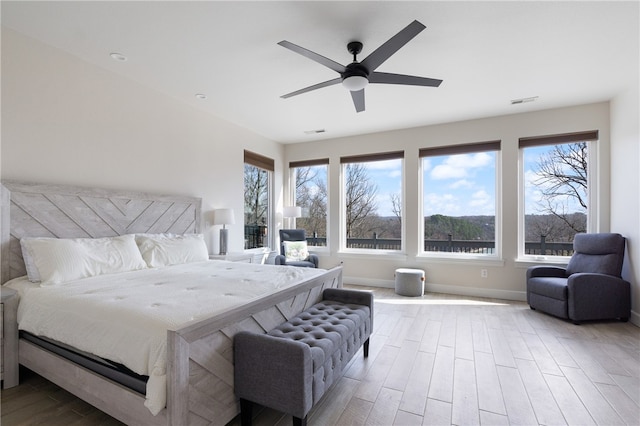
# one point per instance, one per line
(595, 284)
(598, 296)
(313, 259)
(282, 260)
(546, 271)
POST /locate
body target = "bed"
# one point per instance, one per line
(199, 367)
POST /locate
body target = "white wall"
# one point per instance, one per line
(506, 277)
(69, 122)
(625, 185)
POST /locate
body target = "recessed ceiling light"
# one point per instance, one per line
(201, 96)
(523, 100)
(118, 57)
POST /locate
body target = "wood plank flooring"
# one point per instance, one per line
(440, 360)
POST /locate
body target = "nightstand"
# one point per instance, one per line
(9, 337)
(233, 257)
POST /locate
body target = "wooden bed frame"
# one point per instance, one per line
(200, 354)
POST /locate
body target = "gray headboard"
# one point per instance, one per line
(40, 210)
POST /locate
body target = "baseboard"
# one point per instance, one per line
(520, 296)
(635, 318)
(369, 282)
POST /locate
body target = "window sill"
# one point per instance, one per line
(319, 250)
(525, 262)
(460, 258)
(388, 254)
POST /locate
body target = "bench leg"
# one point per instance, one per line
(366, 348)
(297, 421)
(245, 412)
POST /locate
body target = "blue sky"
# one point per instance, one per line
(460, 185)
(456, 185)
(533, 198)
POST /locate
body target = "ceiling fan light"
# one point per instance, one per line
(355, 83)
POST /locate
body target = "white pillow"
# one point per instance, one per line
(166, 249)
(295, 250)
(29, 262)
(57, 260)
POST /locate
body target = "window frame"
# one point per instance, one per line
(267, 164)
(591, 137)
(292, 195)
(494, 146)
(367, 158)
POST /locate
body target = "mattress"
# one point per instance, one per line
(125, 317)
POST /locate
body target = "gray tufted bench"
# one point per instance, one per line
(292, 366)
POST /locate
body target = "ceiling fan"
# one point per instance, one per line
(357, 75)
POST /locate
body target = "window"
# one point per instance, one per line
(556, 197)
(257, 199)
(372, 201)
(459, 199)
(310, 193)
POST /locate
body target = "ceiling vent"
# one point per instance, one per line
(523, 100)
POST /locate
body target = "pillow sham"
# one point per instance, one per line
(29, 262)
(295, 250)
(167, 249)
(58, 260)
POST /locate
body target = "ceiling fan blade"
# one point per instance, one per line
(339, 68)
(314, 87)
(391, 46)
(358, 100)
(412, 80)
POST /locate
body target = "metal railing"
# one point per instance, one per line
(254, 236)
(537, 248)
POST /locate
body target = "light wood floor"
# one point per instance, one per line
(442, 359)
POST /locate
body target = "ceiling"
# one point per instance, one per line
(487, 53)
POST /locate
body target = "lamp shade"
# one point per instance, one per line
(292, 211)
(223, 217)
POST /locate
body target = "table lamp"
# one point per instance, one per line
(223, 217)
(291, 212)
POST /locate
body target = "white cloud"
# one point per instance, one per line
(480, 199)
(446, 204)
(385, 165)
(462, 183)
(460, 166)
(426, 164)
(446, 171)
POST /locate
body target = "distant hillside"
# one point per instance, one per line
(483, 228)
(439, 227)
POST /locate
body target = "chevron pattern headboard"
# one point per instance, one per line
(57, 211)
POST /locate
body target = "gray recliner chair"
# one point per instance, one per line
(294, 235)
(590, 287)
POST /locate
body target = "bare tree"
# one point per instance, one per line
(311, 194)
(256, 195)
(562, 178)
(305, 179)
(361, 207)
(396, 207)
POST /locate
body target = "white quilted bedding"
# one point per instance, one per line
(124, 317)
